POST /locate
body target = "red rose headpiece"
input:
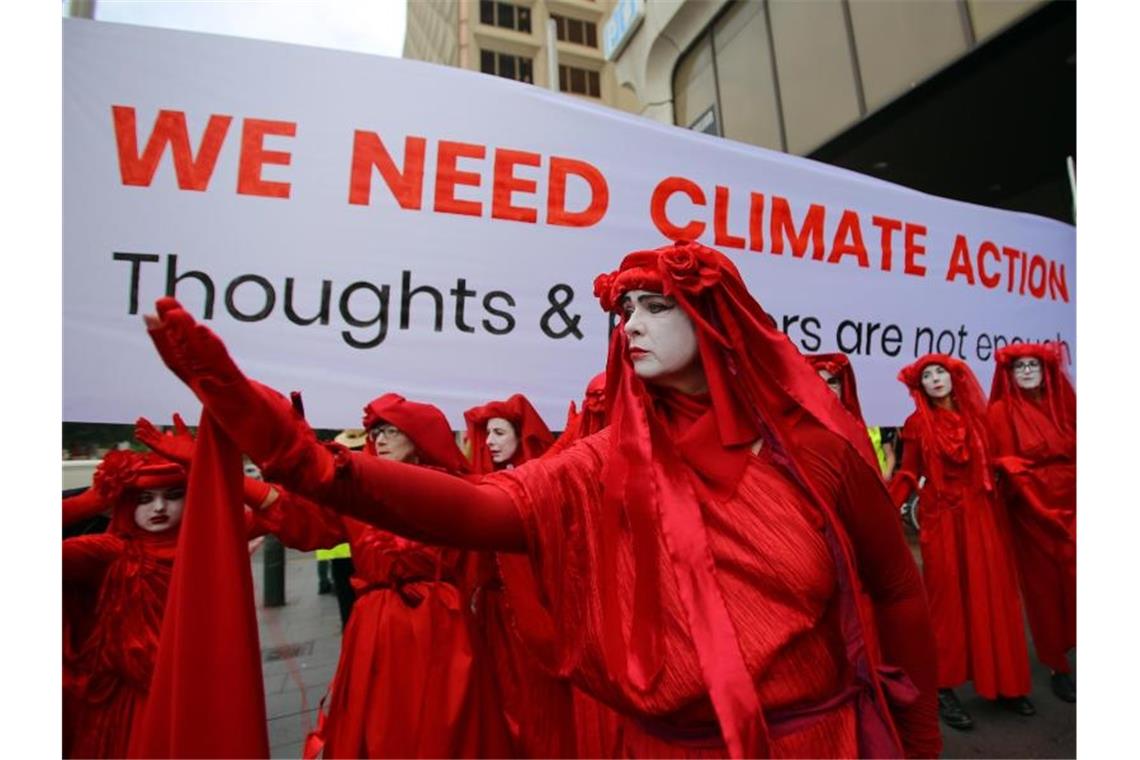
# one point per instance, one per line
(840, 367)
(122, 473)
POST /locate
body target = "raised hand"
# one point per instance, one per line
(260, 420)
(177, 446)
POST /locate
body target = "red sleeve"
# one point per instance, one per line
(420, 502)
(85, 558)
(82, 506)
(297, 522)
(905, 480)
(890, 578)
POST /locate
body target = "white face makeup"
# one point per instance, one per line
(936, 381)
(159, 509)
(1027, 373)
(832, 382)
(391, 443)
(662, 341)
(502, 440)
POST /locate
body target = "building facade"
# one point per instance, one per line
(967, 99)
(509, 39)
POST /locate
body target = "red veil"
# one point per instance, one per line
(533, 434)
(589, 420)
(840, 367)
(1059, 400)
(424, 424)
(111, 630)
(970, 441)
(760, 387)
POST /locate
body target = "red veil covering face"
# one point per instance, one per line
(534, 436)
(673, 456)
(115, 588)
(839, 366)
(968, 563)
(1035, 446)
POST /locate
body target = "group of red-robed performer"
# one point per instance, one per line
(709, 566)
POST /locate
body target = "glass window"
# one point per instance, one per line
(526, 71)
(486, 61)
(562, 76)
(595, 86)
(694, 87)
(506, 15)
(745, 84)
(487, 12)
(592, 35)
(506, 66)
(574, 31)
(524, 20)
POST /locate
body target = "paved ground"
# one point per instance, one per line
(309, 623)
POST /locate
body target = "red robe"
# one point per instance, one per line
(780, 581)
(967, 563)
(1039, 463)
(408, 683)
(108, 673)
(513, 628)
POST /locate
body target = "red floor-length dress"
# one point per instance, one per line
(408, 683)
(1035, 447)
(115, 586)
(513, 627)
(967, 558)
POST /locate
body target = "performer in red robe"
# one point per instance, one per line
(722, 564)
(514, 626)
(115, 592)
(590, 419)
(967, 560)
(409, 682)
(1033, 419)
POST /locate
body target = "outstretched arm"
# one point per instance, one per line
(264, 425)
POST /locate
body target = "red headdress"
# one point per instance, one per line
(121, 475)
(759, 387)
(1055, 395)
(590, 420)
(424, 424)
(960, 436)
(533, 434)
(840, 367)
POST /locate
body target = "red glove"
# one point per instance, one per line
(83, 506)
(260, 420)
(178, 446)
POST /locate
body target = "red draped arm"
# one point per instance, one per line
(422, 503)
(85, 558)
(905, 480)
(890, 577)
(82, 506)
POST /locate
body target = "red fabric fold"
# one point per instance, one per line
(207, 698)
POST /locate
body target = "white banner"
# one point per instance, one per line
(353, 224)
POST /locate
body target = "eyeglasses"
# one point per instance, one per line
(1028, 365)
(388, 431)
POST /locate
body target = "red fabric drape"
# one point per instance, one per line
(967, 557)
(1035, 446)
(207, 698)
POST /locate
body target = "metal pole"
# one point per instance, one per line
(273, 587)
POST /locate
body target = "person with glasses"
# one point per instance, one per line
(721, 564)
(406, 684)
(1032, 415)
(967, 557)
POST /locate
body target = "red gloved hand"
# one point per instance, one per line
(177, 446)
(260, 420)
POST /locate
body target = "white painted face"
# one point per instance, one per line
(662, 338)
(392, 443)
(1027, 373)
(832, 382)
(502, 440)
(160, 509)
(936, 381)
